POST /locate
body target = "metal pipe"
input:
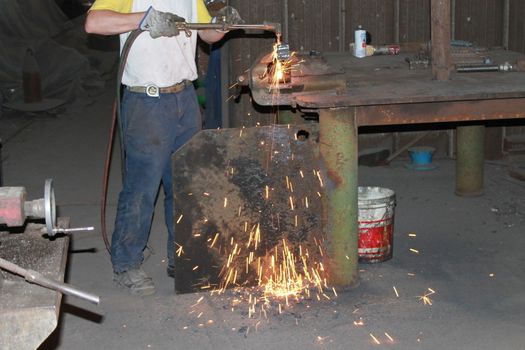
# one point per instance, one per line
(338, 152)
(37, 278)
(478, 68)
(440, 32)
(284, 18)
(505, 67)
(470, 151)
(273, 27)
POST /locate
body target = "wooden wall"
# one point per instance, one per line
(318, 25)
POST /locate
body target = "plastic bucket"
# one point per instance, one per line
(375, 223)
(421, 155)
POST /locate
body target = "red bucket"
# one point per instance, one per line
(376, 224)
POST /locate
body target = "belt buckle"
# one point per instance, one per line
(152, 90)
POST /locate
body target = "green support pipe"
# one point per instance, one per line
(338, 152)
(469, 160)
(285, 117)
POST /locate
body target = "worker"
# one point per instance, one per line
(159, 114)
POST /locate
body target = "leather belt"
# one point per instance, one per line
(154, 91)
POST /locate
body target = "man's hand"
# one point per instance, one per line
(160, 23)
(227, 16)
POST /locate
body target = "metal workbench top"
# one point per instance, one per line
(383, 90)
(377, 80)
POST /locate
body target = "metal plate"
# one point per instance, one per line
(28, 312)
(229, 182)
(310, 73)
(385, 80)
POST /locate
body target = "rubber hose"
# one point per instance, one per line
(109, 151)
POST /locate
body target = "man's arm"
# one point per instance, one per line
(107, 22)
(225, 15)
(210, 35)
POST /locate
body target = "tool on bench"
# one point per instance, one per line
(470, 68)
(35, 277)
(418, 61)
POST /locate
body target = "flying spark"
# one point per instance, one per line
(389, 337)
(395, 290)
(375, 339)
(426, 297)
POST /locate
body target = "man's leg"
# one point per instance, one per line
(148, 128)
(189, 124)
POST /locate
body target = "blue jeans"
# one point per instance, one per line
(153, 128)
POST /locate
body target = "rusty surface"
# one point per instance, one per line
(28, 312)
(440, 39)
(310, 73)
(338, 151)
(229, 181)
(478, 21)
(403, 96)
(440, 112)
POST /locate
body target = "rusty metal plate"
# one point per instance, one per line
(441, 112)
(231, 183)
(310, 73)
(384, 80)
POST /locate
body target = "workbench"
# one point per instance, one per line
(349, 92)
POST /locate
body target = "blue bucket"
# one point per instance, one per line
(421, 155)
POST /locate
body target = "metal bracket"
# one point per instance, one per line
(50, 208)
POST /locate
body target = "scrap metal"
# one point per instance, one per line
(230, 184)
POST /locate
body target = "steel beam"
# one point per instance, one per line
(338, 152)
(441, 112)
(469, 160)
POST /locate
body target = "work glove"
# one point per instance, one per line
(160, 23)
(227, 16)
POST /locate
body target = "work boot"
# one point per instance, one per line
(170, 270)
(135, 281)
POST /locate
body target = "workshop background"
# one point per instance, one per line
(456, 278)
(329, 25)
(67, 56)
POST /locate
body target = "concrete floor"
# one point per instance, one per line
(470, 254)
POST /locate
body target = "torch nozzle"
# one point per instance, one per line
(282, 51)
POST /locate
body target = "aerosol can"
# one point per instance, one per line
(360, 42)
